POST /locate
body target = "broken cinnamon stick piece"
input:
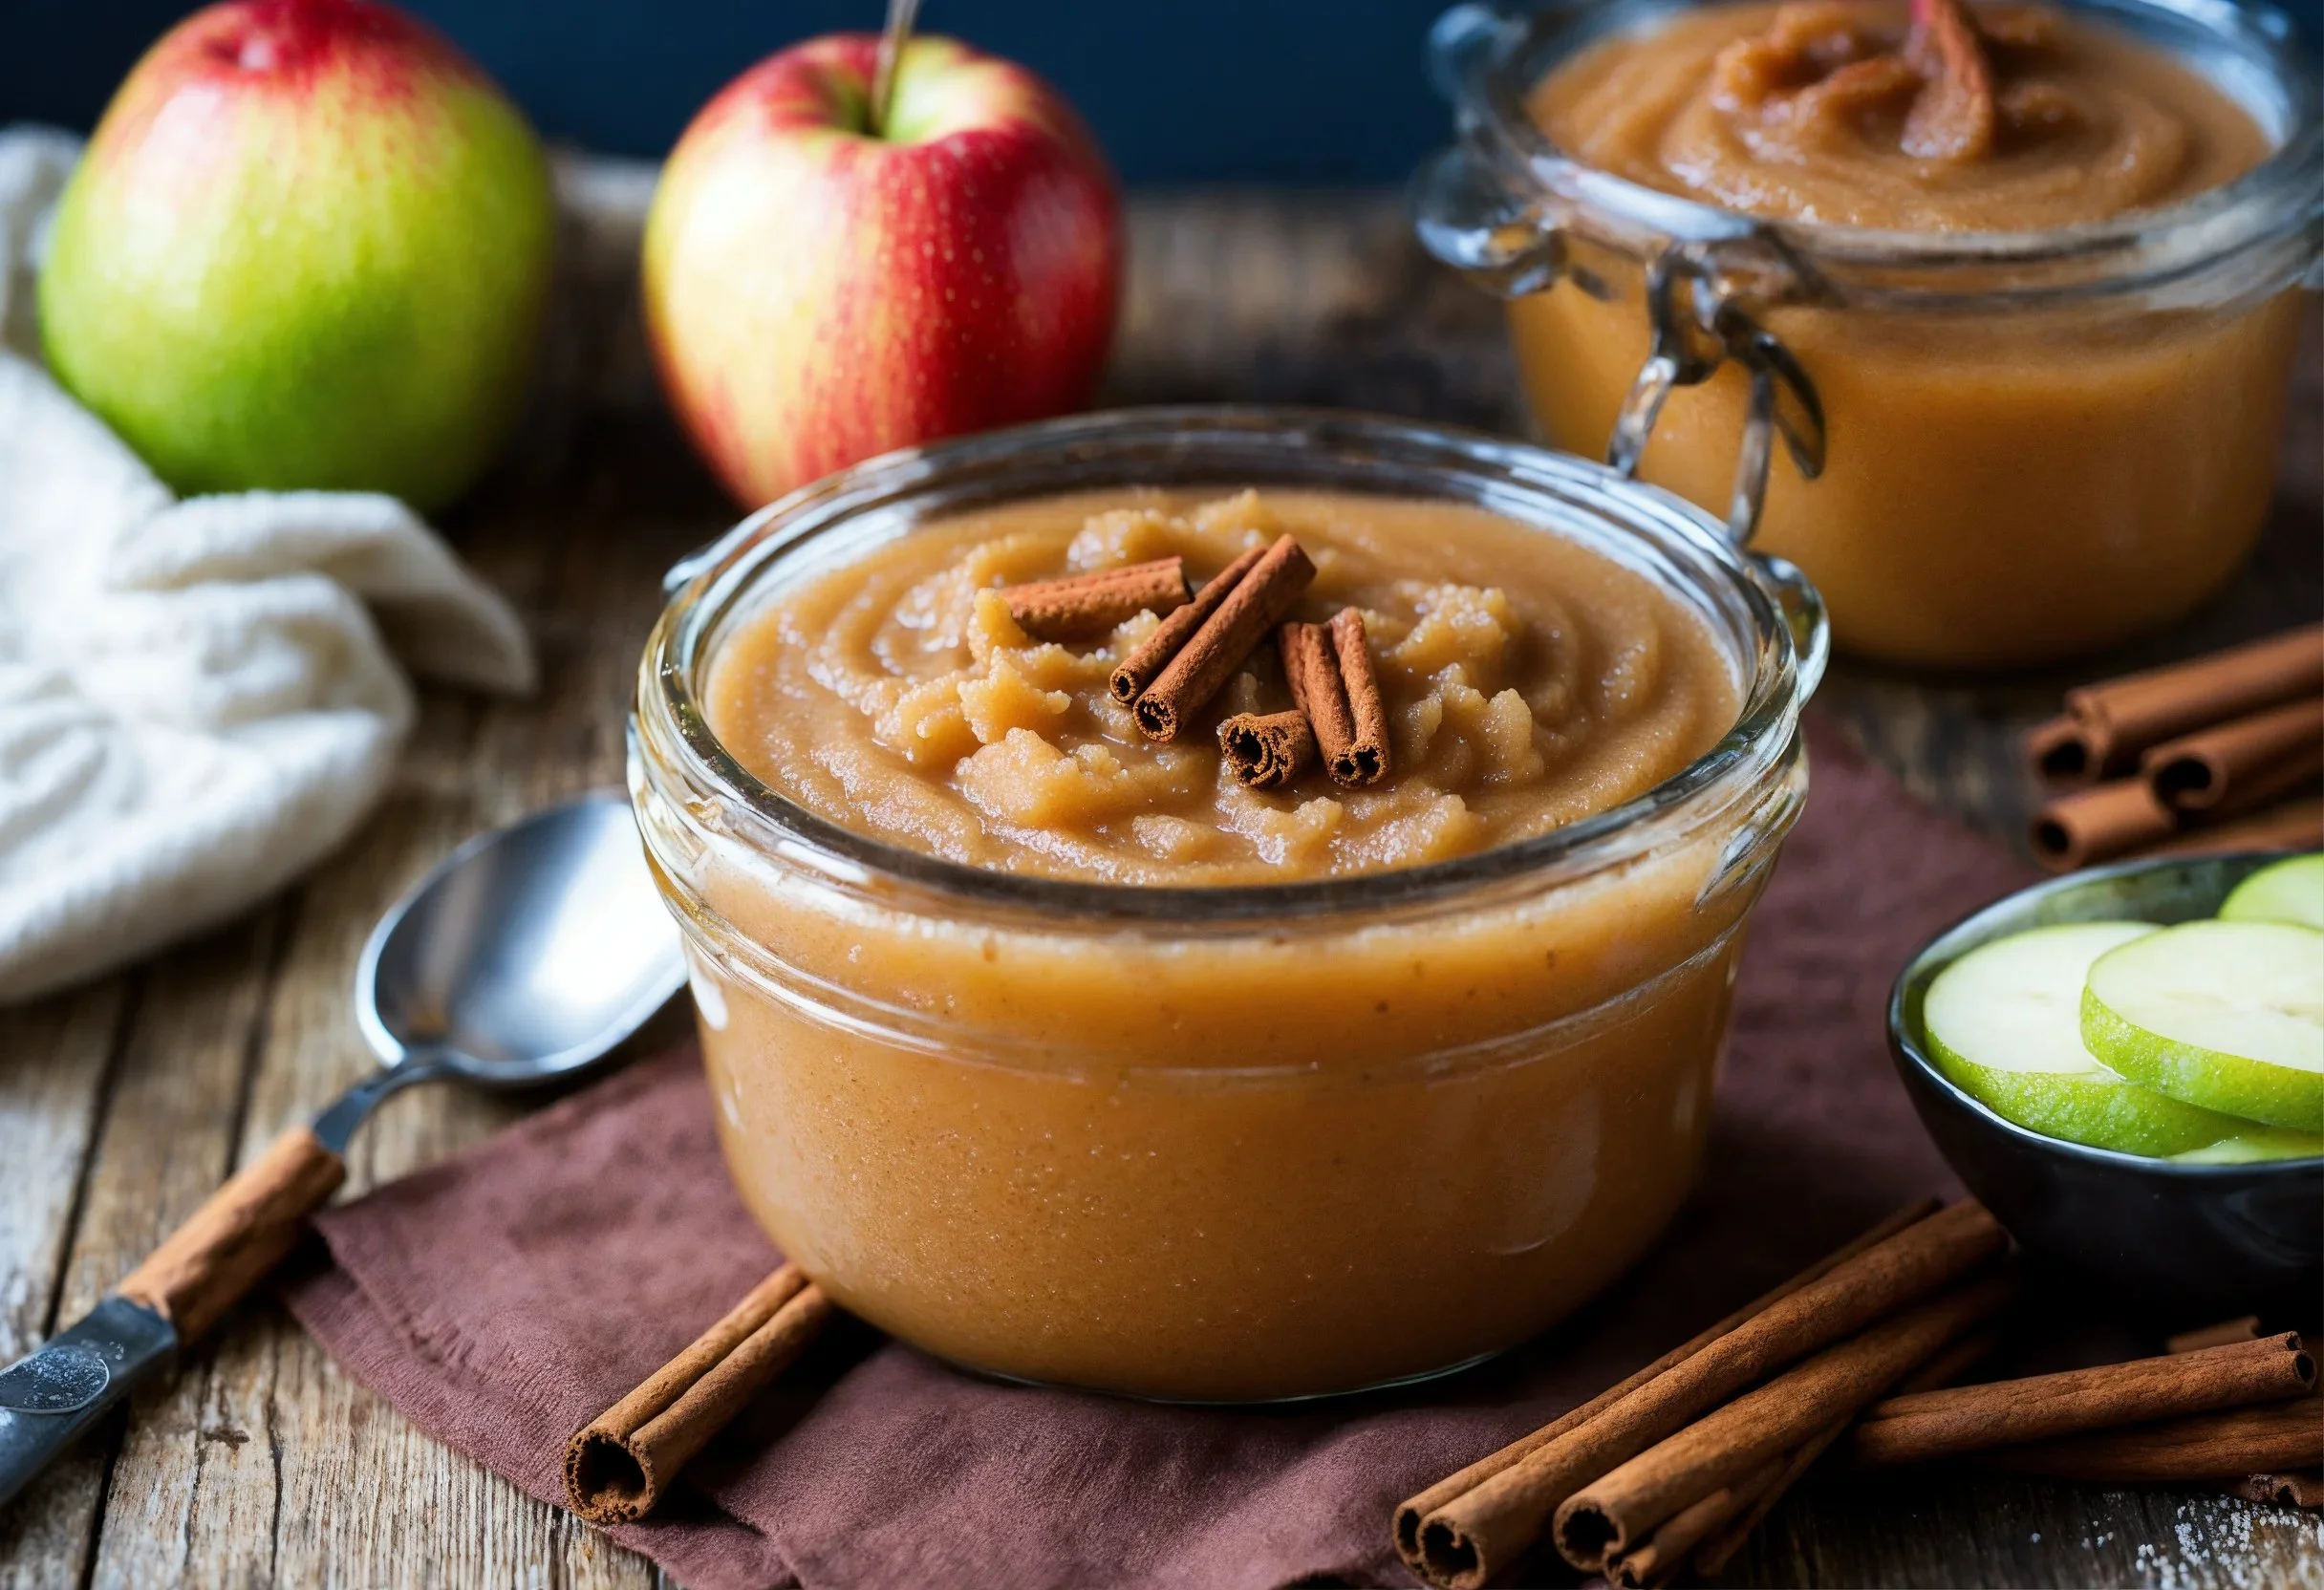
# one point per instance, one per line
(1217, 648)
(1267, 751)
(2277, 749)
(1366, 760)
(1954, 117)
(1080, 606)
(1974, 1418)
(1146, 662)
(620, 1465)
(1414, 1512)
(2295, 1488)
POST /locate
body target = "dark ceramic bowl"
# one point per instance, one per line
(2176, 1244)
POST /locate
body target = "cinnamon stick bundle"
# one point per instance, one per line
(2106, 725)
(1267, 750)
(1973, 1418)
(619, 1464)
(1329, 667)
(1727, 1444)
(1190, 658)
(1413, 1513)
(1465, 1538)
(2271, 1436)
(1080, 607)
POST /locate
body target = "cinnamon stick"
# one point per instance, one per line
(1951, 119)
(2293, 826)
(2100, 824)
(1147, 660)
(1330, 670)
(1413, 1514)
(1468, 1537)
(2111, 723)
(2297, 1488)
(618, 1466)
(1972, 1418)
(1212, 653)
(1267, 751)
(2276, 750)
(2272, 1436)
(2243, 1328)
(1727, 1444)
(1080, 607)
(1713, 1554)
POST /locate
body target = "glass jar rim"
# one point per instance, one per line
(1780, 653)
(1486, 57)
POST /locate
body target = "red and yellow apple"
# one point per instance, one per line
(819, 291)
(309, 246)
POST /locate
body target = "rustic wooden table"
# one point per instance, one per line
(121, 1105)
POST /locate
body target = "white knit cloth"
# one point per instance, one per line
(198, 698)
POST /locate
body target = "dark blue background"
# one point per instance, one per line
(1294, 90)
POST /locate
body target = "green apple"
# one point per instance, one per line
(2225, 1014)
(2288, 891)
(309, 246)
(2003, 1023)
(2255, 1143)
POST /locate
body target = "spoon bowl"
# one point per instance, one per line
(528, 953)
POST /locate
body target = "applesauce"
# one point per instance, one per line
(1266, 1095)
(2006, 400)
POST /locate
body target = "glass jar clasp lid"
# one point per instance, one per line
(1698, 324)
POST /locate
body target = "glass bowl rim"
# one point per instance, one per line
(1778, 674)
(1909, 1049)
(1480, 77)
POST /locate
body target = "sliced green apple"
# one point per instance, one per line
(2288, 891)
(2254, 1144)
(2004, 1024)
(2227, 1016)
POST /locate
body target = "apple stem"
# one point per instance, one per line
(891, 41)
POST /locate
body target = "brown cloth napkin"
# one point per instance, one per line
(505, 1298)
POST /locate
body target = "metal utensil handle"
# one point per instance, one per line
(239, 1233)
(47, 1401)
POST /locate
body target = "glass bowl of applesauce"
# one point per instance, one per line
(1065, 1057)
(2007, 388)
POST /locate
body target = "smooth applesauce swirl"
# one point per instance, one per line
(1529, 682)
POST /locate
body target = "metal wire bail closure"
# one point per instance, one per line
(1691, 340)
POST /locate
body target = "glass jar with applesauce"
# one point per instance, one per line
(1987, 447)
(1235, 1143)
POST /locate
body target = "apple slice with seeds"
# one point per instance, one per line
(2227, 1016)
(2288, 891)
(2004, 1024)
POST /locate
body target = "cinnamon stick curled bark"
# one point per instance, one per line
(1973, 1418)
(1080, 606)
(1414, 1514)
(1727, 1444)
(1267, 751)
(618, 1466)
(1202, 656)
(2294, 1489)
(2270, 751)
(1468, 1539)
(1329, 667)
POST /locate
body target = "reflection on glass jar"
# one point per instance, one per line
(1986, 448)
(1227, 1143)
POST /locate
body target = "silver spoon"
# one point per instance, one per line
(530, 952)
